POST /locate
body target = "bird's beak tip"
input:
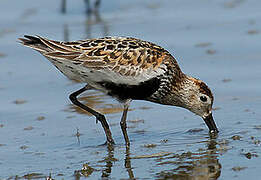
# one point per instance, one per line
(211, 124)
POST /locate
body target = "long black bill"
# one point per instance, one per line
(211, 124)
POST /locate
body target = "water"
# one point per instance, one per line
(41, 133)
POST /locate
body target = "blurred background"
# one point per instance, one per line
(42, 134)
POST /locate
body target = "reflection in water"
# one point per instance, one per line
(89, 8)
(203, 164)
(96, 5)
(65, 32)
(109, 160)
(93, 17)
(96, 100)
(63, 6)
(127, 163)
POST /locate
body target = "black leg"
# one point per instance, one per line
(99, 117)
(123, 122)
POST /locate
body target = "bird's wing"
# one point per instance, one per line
(116, 59)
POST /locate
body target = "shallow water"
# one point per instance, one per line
(42, 133)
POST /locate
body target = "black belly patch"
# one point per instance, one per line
(139, 92)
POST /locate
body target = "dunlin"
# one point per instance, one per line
(126, 69)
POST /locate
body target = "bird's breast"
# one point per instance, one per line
(126, 91)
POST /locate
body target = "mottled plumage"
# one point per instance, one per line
(127, 68)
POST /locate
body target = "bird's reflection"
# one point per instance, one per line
(202, 164)
(89, 7)
(66, 32)
(127, 163)
(95, 6)
(93, 18)
(109, 160)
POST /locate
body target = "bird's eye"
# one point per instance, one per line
(203, 98)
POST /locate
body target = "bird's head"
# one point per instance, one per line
(201, 104)
(195, 95)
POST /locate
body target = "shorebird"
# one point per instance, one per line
(126, 69)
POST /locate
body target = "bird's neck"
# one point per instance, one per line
(168, 91)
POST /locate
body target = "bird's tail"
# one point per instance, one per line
(34, 42)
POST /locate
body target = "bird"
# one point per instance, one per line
(126, 69)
